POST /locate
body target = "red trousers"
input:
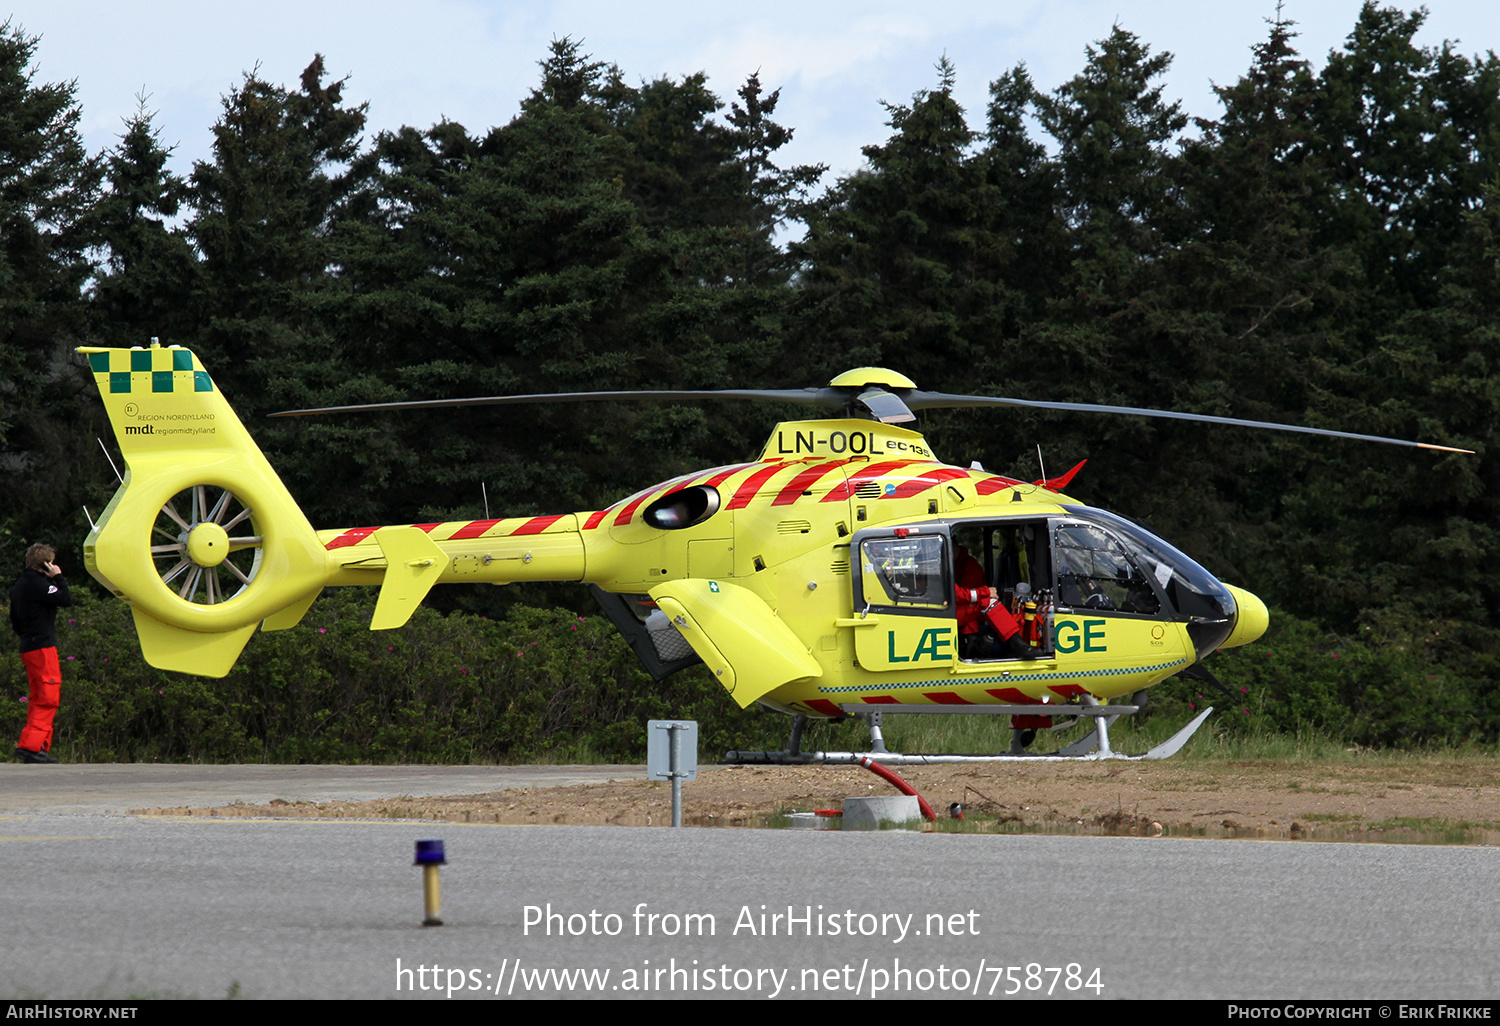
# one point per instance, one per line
(46, 692)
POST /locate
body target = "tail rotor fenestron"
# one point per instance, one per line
(213, 552)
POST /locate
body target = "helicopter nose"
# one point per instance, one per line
(1252, 621)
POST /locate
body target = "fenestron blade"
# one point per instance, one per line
(918, 400)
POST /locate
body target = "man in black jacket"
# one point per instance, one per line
(34, 603)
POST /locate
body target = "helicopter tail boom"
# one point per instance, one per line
(407, 561)
(205, 542)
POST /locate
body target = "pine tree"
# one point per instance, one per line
(1029, 218)
(590, 243)
(147, 283)
(901, 256)
(1100, 338)
(1112, 126)
(1248, 287)
(287, 172)
(266, 209)
(775, 194)
(1409, 138)
(47, 184)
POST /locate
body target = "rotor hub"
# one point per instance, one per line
(865, 377)
(208, 544)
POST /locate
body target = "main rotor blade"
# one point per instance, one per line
(890, 407)
(918, 400)
(828, 397)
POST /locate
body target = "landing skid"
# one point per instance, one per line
(1092, 747)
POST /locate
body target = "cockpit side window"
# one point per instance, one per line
(1095, 571)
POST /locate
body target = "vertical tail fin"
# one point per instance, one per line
(202, 538)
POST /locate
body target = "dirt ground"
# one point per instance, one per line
(1429, 800)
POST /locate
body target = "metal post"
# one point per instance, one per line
(672, 756)
(676, 770)
(877, 738)
(1101, 727)
(794, 744)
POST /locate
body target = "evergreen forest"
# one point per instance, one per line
(1322, 251)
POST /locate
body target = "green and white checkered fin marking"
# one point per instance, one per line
(169, 370)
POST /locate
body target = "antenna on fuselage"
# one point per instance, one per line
(111, 461)
(1039, 462)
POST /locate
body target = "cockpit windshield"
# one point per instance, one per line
(1192, 590)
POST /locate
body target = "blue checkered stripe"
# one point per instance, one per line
(163, 365)
(1011, 678)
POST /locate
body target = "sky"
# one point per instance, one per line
(473, 61)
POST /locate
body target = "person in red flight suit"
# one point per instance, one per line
(39, 593)
(978, 606)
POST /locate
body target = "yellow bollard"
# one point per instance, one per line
(430, 857)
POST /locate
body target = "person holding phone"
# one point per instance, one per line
(39, 593)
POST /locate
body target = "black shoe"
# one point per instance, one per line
(1015, 648)
(27, 755)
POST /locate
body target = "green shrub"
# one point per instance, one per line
(537, 685)
(1387, 685)
(550, 685)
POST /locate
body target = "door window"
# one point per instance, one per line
(906, 573)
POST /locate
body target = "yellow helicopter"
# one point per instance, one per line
(846, 571)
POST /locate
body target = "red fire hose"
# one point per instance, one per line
(900, 785)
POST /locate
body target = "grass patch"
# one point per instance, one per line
(989, 735)
(1430, 825)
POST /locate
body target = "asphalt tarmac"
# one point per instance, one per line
(121, 788)
(102, 905)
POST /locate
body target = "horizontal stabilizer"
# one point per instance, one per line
(183, 651)
(413, 565)
(292, 615)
